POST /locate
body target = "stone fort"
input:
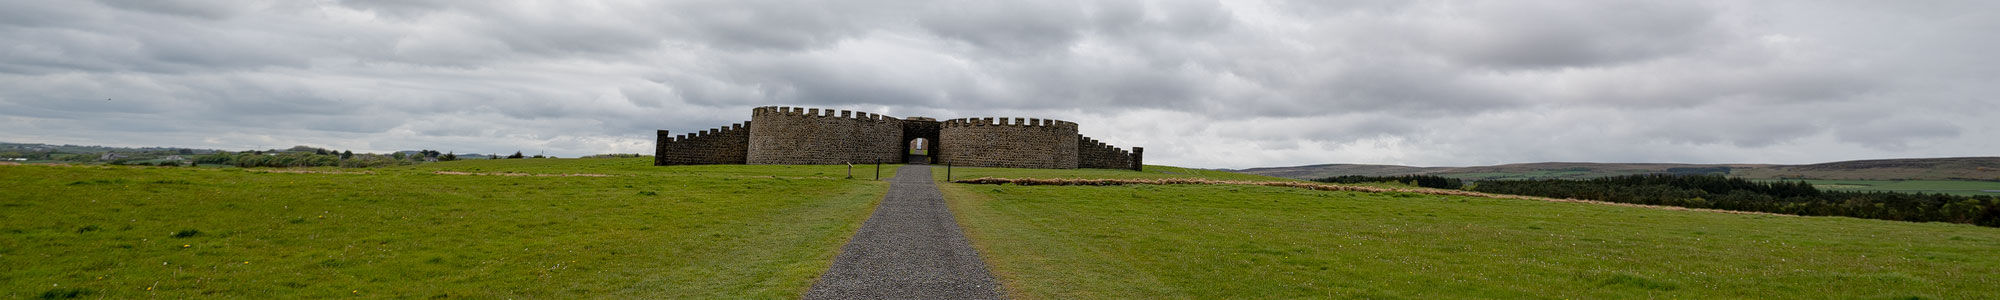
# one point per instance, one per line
(792, 135)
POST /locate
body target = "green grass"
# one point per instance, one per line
(767, 231)
(1151, 171)
(404, 232)
(1954, 187)
(1219, 241)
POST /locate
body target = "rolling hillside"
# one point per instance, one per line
(1957, 168)
(1265, 242)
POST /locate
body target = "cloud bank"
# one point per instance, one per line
(1198, 83)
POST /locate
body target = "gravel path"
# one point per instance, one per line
(910, 248)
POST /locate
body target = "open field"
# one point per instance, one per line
(1940, 169)
(1219, 241)
(1954, 187)
(1150, 172)
(619, 228)
(532, 228)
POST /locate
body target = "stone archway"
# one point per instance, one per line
(925, 129)
(921, 150)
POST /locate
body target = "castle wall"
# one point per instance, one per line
(795, 135)
(1008, 142)
(1138, 158)
(725, 145)
(789, 135)
(1098, 155)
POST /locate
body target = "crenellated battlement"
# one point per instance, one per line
(720, 145)
(808, 112)
(1092, 153)
(732, 129)
(1017, 122)
(1009, 142)
(806, 135)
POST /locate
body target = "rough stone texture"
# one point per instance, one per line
(910, 248)
(726, 145)
(1009, 143)
(660, 147)
(1138, 158)
(790, 135)
(811, 136)
(1098, 155)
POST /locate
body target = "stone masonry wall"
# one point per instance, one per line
(1098, 155)
(789, 135)
(726, 145)
(1010, 143)
(795, 135)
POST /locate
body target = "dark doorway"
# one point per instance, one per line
(921, 131)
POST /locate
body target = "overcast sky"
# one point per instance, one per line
(1197, 83)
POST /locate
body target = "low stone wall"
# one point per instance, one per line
(1098, 155)
(726, 145)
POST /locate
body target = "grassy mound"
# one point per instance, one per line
(1224, 241)
(535, 228)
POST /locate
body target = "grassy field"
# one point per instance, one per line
(616, 228)
(619, 228)
(1150, 172)
(1218, 241)
(1954, 187)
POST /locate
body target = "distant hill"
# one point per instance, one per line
(38, 147)
(1955, 168)
(1330, 170)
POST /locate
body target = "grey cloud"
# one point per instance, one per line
(1009, 27)
(1772, 80)
(204, 9)
(810, 78)
(772, 25)
(1339, 128)
(1407, 88)
(400, 9)
(1200, 83)
(119, 41)
(1895, 134)
(536, 29)
(1752, 127)
(1513, 34)
(30, 14)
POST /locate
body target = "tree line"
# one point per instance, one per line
(1784, 197)
(1429, 181)
(315, 157)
